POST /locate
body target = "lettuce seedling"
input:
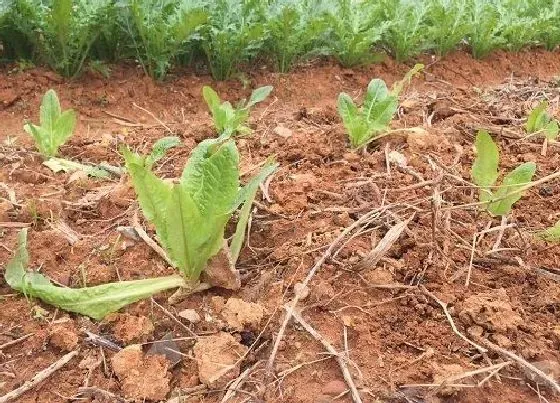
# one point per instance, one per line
(406, 35)
(56, 126)
(485, 173)
(62, 32)
(190, 216)
(539, 121)
(447, 24)
(230, 120)
(160, 31)
(484, 34)
(355, 27)
(294, 28)
(234, 34)
(366, 123)
(551, 234)
(95, 302)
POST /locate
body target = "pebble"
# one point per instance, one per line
(191, 315)
(283, 132)
(302, 290)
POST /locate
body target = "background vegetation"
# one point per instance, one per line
(222, 36)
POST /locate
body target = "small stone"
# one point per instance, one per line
(191, 315)
(334, 388)
(501, 340)
(283, 132)
(302, 290)
(475, 331)
(129, 328)
(397, 158)
(167, 347)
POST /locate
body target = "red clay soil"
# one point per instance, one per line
(399, 341)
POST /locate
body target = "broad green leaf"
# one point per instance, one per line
(537, 119)
(551, 130)
(160, 148)
(511, 189)
(211, 97)
(377, 91)
(151, 192)
(259, 95)
(353, 120)
(484, 171)
(381, 114)
(246, 196)
(551, 234)
(95, 302)
(211, 176)
(56, 126)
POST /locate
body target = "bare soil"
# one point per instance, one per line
(396, 335)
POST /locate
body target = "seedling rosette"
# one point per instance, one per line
(190, 218)
(365, 124)
(485, 173)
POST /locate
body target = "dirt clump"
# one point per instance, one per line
(63, 336)
(217, 358)
(491, 310)
(129, 328)
(142, 377)
(240, 315)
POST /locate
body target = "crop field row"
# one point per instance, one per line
(223, 36)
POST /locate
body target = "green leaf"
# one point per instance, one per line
(538, 118)
(211, 97)
(259, 95)
(377, 91)
(551, 234)
(353, 120)
(511, 189)
(95, 302)
(551, 130)
(247, 195)
(484, 171)
(161, 147)
(56, 126)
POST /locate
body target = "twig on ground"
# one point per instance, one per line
(521, 361)
(383, 246)
(340, 358)
(92, 391)
(38, 378)
(97, 340)
(443, 305)
(11, 343)
(149, 241)
(235, 385)
(155, 118)
(165, 311)
(314, 269)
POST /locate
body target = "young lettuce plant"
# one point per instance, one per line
(355, 27)
(551, 234)
(56, 125)
(366, 123)
(484, 28)
(294, 28)
(160, 31)
(234, 34)
(190, 219)
(447, 24)
(539, 121)
(519, 23)
(190, 216)
(406, 35)
(62, 31)
(500, 199)
(230, 120)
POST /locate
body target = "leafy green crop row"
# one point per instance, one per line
(69, 35)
